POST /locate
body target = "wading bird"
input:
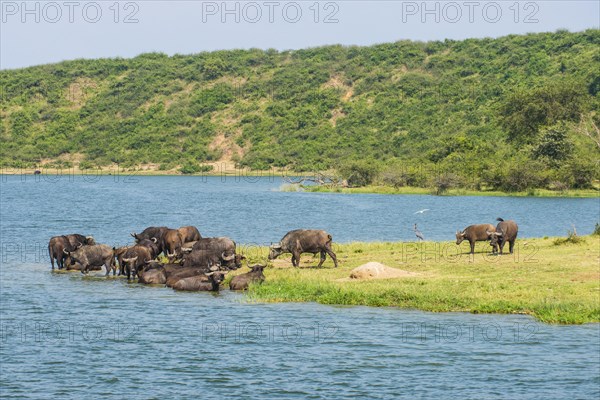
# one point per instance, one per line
(418, 233)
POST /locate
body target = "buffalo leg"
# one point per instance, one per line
(51, 257)
(472, 247)
(332, 255)
(296, 255)
(322, 260)
(511, 245)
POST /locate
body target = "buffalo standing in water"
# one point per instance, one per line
(304, 241)
(156, 232)
(475, 233)
(135, 258)
(506, 231)
(93, 256)
(58, 244)
(172, 242)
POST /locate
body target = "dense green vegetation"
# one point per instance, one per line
(508, 114)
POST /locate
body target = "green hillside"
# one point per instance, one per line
(510, 113)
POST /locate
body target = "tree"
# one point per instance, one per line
(359, 173)
(524, 112)
(554, 146)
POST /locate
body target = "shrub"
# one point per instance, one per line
(572, 238)
(194, 168)
(359, 173)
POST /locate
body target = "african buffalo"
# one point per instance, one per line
(172, 241)
(152, 276)
(152, 245)
(75, 239)
(176, 275)
(152, 232)
(475, 233)
(241, 282)
(118, 253)
(205, 282)
(304, 241)
(506, 231)
(134, 258)
(93, 256)
(224, 247)
(56, 249)
(58, 244)
(203, 259)
(189, 233)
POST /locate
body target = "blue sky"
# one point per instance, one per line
(41, 32)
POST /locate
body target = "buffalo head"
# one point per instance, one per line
(460, 236)
(494, 238)
(275, 251)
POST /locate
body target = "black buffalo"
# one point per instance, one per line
(172, 242)
(58, 244)
(241, 282)
(475, 233)
(189, 233)
(204, 282)
(156, 232)
(175, 275)
(134, 258)
(205, 259)
(56, 249)
(506, 231)
(223, 247)
(304, 241)
(96, 255)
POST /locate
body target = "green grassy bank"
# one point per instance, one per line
(555, 283)
(456, 192)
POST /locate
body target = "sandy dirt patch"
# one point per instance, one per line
(376, 270)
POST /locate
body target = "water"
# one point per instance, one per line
(252, 210)
(64, 336)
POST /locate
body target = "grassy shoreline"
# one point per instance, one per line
(587, 193)
(553, 283)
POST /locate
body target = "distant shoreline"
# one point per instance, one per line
(290, 187)
(409, 190)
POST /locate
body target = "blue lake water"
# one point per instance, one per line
(64, 336)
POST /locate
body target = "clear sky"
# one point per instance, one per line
(40, 32)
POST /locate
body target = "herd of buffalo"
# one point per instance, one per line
(195, 263)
